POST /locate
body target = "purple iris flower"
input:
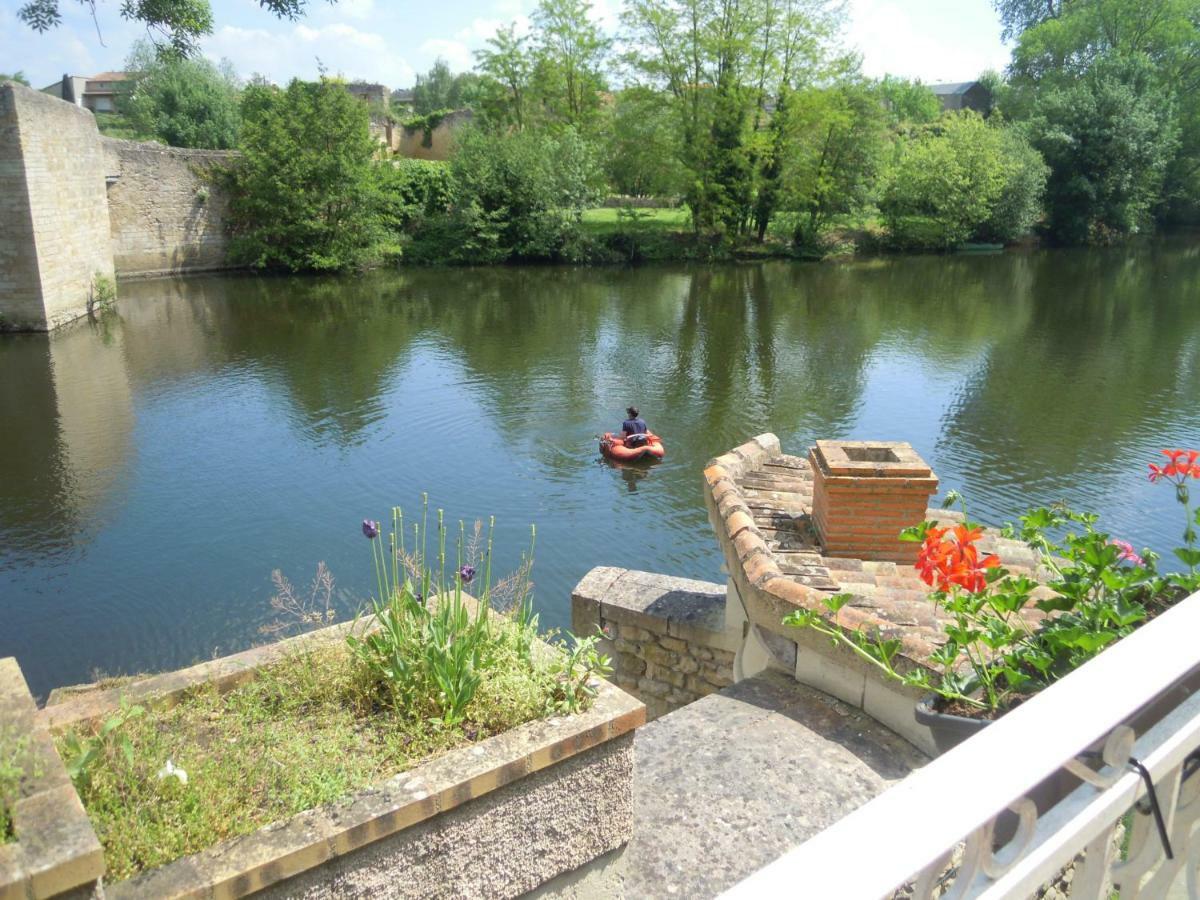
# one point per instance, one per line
(370, 529)
(467, 574)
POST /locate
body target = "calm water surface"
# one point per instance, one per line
(156, 467)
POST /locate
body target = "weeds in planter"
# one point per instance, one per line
(1100, 590)
(82, 754)
(433, 669)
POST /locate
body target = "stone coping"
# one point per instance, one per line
(682, 608)
(56, 849)
(277, 852)
(760, 505)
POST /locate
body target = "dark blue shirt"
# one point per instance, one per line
(634, 426)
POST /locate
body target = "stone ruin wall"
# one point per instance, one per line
(75, 206)
(54, 228)
(167, 207)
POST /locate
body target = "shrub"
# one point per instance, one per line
(305, 196)
(412, 190)
(515, 197)
(963, 179)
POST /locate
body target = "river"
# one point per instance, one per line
(158, 465)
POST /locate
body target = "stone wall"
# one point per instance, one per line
(668, 637)
(76, 208)
(435, 144)
(54, 231)
(167, 208)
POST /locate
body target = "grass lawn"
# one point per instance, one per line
(309, 730)
(605, 221)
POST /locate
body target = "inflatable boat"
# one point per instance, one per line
(613, 446)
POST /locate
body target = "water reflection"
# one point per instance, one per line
(217, 428)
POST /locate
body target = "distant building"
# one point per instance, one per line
(369, 93)
(964, 95)
(403, 101)
(95, 92)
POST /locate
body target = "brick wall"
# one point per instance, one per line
(167, 207)
(667, 636)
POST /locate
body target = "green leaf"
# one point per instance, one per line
(1189, 556)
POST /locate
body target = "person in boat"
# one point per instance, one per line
(634, 429)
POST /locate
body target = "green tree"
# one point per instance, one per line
(835, 153)
(962, 179)
(507, 66)
(794, 45)
(518, 196)
(571, 53)
(440, 89)
(17, 76)
(182, 102)
(305, 193)
(1017, 16)
(721, 62)
(908, 102)
(1088, 47)
(173, 26)
(641, 154)
(1109, 138)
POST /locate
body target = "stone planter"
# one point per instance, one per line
(493, 819)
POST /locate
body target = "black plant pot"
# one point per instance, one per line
(948, 731)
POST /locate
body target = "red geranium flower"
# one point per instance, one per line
(945, 562)
(1182, 465)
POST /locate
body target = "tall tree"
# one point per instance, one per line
(441, 88)
(17, 76)
(507, 66)
(571, 54)
(305, 193)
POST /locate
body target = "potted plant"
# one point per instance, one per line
(1009, 636)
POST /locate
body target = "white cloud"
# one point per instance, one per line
(280, 55)
(356, 9)
(456, 53)
(937, 40)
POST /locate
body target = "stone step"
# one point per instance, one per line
(729, 783)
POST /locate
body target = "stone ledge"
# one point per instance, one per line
(56, 849)
(693, 611)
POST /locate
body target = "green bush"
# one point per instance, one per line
(963, 179)
(515, 196)
(306, 196)
(412, 190)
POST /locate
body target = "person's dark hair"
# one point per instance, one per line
(633, 411)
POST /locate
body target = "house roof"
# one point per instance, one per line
(953, 87)
(110, 76)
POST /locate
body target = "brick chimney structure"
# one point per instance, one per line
(865, 493)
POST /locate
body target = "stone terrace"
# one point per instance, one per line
(760, 502)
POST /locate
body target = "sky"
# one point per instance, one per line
(389, 41)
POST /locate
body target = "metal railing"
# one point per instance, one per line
(1130, 825)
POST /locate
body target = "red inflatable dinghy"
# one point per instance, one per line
(613, 446)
